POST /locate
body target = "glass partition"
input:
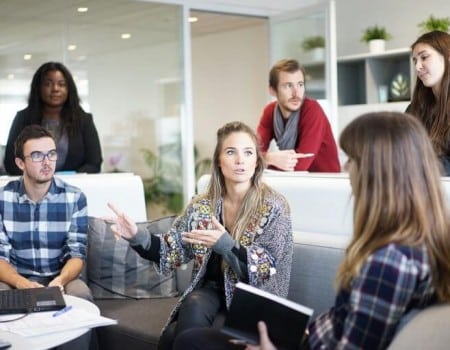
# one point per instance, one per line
(308, 35)
(303, 37)
(127, 60)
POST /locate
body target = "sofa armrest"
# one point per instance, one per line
(427, 330)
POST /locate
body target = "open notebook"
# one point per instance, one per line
(15, 301)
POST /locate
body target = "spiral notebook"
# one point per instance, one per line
(286, 320)
(17, 301)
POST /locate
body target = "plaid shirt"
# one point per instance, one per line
(38, 238)
(393, 280)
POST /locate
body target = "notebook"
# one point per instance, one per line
(286, 320)
(15, 301)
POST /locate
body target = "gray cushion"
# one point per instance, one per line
(312, 276)
(115, 270)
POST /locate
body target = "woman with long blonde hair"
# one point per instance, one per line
(239, 230)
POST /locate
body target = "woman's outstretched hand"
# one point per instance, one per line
(122, 225)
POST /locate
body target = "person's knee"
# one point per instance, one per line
(5, 286)
(194, 300)
(79, 289)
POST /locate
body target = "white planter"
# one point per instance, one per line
(318, 54)
(377, 45)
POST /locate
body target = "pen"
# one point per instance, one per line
(60, 312)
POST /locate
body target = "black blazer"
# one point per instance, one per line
(84, 154)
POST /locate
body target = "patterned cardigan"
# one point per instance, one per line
(267, 239)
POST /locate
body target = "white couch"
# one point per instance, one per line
(321, 205)
(322, 209)
(123, 189)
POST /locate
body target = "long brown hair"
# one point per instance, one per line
(398, 194)
(434, 111)
(254, 197)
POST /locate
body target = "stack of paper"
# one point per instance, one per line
(41, 323)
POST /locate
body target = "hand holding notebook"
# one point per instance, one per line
(286, 320)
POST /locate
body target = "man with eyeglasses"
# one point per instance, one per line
(43, 228)
(297, 123)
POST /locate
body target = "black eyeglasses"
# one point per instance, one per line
(38, 156)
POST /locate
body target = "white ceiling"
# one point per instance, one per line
(253, 7)
(45, 28)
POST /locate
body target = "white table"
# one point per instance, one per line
(48, 341)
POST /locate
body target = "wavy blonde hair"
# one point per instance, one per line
(398, 194)
(254, 197)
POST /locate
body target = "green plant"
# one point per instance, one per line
(375, 32)
(313, 42)
(164, 185)
(435, 23)
(202, 166)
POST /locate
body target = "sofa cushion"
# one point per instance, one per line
(313, 275)
(115, 270)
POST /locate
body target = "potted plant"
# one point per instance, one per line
(435, 23)
(163, 187)
(315, 45)
(376, 37)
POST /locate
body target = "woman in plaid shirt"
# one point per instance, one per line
(399, 258)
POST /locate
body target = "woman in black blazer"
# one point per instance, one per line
(54, 104)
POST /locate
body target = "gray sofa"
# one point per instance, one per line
(320, 210)
(141, 321)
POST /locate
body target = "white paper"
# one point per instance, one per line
(40, 323)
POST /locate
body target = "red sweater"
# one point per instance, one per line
(314, 135)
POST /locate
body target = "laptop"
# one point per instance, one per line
(17, 301)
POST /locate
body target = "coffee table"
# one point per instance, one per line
(51, 340)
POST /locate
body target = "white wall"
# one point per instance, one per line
(230, 79)
(401, 19)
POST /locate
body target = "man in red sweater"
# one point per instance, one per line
(297, 123)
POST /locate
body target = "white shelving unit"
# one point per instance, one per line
(360, 76)
(315, 79)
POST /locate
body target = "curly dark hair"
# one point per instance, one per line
(71, 112)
